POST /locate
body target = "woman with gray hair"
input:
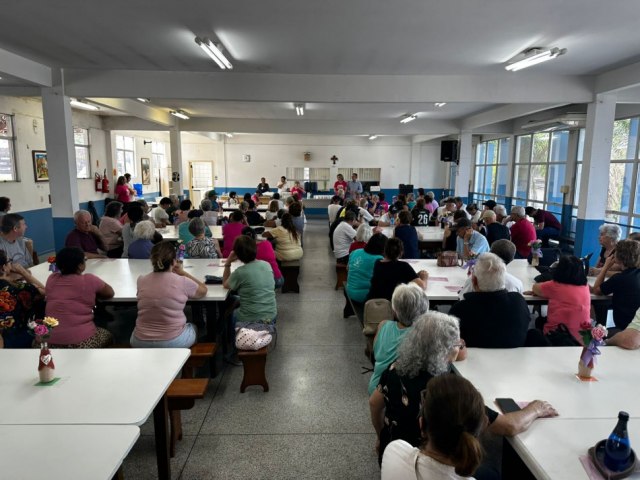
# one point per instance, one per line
(143, 233)
(426, 352)
(201, 246)
(408, 303)
(209, 216)
(490, 316)
(609, 238)
(363, 234)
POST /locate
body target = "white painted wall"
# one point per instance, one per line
(26, 194)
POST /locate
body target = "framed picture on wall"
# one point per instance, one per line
(146, 171)
(40, 166)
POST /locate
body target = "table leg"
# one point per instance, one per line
(161, 427)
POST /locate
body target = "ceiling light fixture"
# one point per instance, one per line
(440, 104)
(373, 137)
(299, 109)
(143, 100)
(83, 104)
(215, 52)
(180, 114)
(533, 56)
(229, 135)
(409, 118)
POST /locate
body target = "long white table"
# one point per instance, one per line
(526, 374)
(229, 208)
(170, 232)
(425, 234)
(97, 387)
(122, 274)
(72, 452)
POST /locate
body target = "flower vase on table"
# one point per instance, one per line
(592, 339)
(41, 329)
(536, 252)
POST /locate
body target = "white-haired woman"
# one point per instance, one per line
(608, 238)
(490, 316)
(143, 234)
(427, 351)
(363, 234)
(408, 303)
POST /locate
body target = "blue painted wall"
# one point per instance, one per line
(587, 234)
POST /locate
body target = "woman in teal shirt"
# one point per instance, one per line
(360, 271)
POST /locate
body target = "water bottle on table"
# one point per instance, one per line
(617, 450)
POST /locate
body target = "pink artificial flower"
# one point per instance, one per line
(598, 333)
(40, 330)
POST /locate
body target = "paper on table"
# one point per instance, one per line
(438, 279)
(47, 384)
(453, 288)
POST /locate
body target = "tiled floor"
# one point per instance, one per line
(314, 421)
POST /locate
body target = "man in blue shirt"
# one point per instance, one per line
(354, 187)
(469, 242)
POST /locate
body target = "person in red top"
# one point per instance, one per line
(265, 251)
(547, 225)
(340, 183)
(522, 232)
(297, 190)
(123, 192)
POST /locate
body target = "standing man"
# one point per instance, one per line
(263, 186)
(547, 225)
(12, 240)
(354, 187)
(85, 236)
(522, 232)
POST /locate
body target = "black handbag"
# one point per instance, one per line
(561, 337)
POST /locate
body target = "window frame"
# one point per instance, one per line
(500, 162)
(133, 170)
(86, 147)
(11, 140)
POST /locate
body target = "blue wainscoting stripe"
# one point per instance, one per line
(587, 233)
(40, 229)
(61, 227)
(567, 210)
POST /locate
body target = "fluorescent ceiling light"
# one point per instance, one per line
(373, 137)
(533, 56)
(83, 104)
(299, 109)
(409, 118)
(180, 114)
(214, 51)
(143, 100)
(440, 104)
(229, 135)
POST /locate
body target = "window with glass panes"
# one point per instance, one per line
(125, 155)
(158, 154)
(491, 170)
(81, 144)
(623, 195)
(7, 149)
(539, 170)
(576, 183)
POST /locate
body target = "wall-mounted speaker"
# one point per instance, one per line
(449, 150)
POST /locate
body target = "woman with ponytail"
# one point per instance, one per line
(162, 296)
(452, 416)
(288, 245)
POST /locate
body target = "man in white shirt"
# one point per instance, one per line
(12, 240)
(343, 236)
(460, 205)
(159, 214)
(506, 250)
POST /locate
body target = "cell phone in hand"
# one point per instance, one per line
(507, 405)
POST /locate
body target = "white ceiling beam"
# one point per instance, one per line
(618, 79)
(425, 138)
(503, 88)
(136, 109)
(130, 123)
(24, 69)
(631, 95)
(20, 91)
(503, 113)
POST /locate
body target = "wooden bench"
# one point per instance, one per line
(290, 272)
(341, 275)
(182, 395)
(200, 353)
(254, 363)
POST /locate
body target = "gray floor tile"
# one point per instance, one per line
(282, 457)
(140, 464)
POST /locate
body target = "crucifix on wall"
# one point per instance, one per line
(334, 159)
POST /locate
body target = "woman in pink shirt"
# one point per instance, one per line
(71, 298)
(264, 251)
(122, 191)
(111, 229)
(232, 230)
(297, 190)
(339, 183)
(569, 296)
(162, 296)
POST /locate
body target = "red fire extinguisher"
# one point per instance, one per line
(105, 182)
(98, 180)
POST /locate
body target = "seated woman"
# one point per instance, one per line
(233, 199)
(201, 246)
(272, 212)
(265, 252)
(71, 298)
(297, 191)
(408, 303)
(408, 234)
(182, 215)
(427, 351)
(111, 229)
(256, 197)
(253, 216)
(390, 272)
(625, 286)
(183, 229)
(142, 244)
(232, 230)
(452, 417)
(360, 271)
(135, 215)
(608, 238)
(411, 201)
(21, 299)
(209, 216)
(288, 242)
(254, 283)
(363, 234)
(162, 296)
(295, 209)
(568, 294)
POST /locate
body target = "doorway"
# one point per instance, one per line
(200, 180)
